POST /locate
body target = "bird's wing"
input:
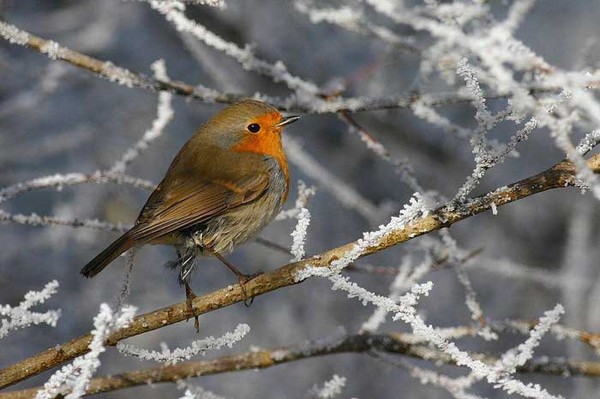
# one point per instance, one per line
(184, 203)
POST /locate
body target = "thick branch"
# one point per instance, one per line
(560, 175)
(391, 343)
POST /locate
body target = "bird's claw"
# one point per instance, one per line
(189, 297)
(243, 280)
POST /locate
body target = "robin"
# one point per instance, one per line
(226, 183)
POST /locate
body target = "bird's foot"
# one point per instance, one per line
(243, 280)
(189, 297)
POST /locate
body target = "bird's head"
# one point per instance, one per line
(249, 126)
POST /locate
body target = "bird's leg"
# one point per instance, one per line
(186, 264)
(189, 297)
(242, 278)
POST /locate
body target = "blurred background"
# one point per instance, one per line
(55, 118)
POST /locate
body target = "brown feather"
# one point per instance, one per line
(190, 204)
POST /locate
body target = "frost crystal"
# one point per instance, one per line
(404, 280)
(524, 352)
(118, 75)
(72, 380)
(176, 355)
(412, 210)
(304, 195)
(299, 235)
(330, 388)
(13, 34)
(51, 49)
(588, 143)
(455, 386)
(196, 392)
(21, 316)
(58, 181)
(174, 13)
(482, 115)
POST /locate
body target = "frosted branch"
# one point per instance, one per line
(341, 191)
(404, 308)
(20, 316)
(164, 114)
(73, 379)
(401, 167)
(485, 160)
(107, 69)
(473, 305)
(34, 219)
(559, 176)
(455, 386)
(423, 109)
(405, 279)
(305, 193)
(299, 235)
(59, 181)
(411, 211)
(393, 343)
(212, 3)
(174, 13)
(406, 312)
(588, 143)
(482, 114)
(199, 347)
(518, 356)
(354, 20)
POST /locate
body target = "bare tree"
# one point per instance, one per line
(433, 112)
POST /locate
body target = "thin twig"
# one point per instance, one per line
(106, 69)
(377, 270)
(59, 181)
(129, 78)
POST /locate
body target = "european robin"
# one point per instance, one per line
(226, 183)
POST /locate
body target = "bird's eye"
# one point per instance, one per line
(253, 128)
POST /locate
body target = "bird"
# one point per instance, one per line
(226, 183)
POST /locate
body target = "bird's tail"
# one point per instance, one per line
(104, 258)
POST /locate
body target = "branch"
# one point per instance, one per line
(106, 69)
(359, 343)
(560, 175)
(59, 181)
(126, 77)
(523, 327)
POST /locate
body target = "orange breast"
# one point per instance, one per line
(267, 141)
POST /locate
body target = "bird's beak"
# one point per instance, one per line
(286, 120)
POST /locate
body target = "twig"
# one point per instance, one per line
(523, 327)
(59, 181)
(272, 245)
(105, 69)
(129, 78)
(358, 343)
(34, 219)
(371, 269)
(560, 175)
(347, 195)
(401, 167)
(277, 72)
